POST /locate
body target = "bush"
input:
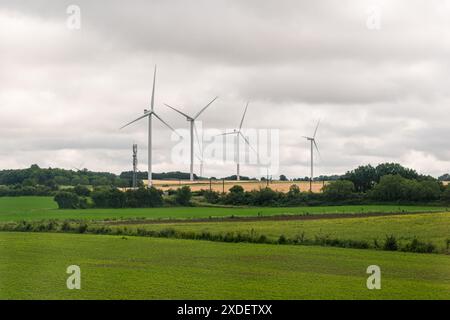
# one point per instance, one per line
(419, 247)
(446, 194)
(390, 244)
(236, 196)
(67, 200)
(237, 189)
(140, 198)
(397, 188)
(82, 228)
(211, 196)
(82, 191)
(183, 196)
(265, 197)
(282, 240)
(339, 190)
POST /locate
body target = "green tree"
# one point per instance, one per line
(363, 178)
(236, 196)
(82, 191)
(183, 196)
(446, 194)
(339, 190)
(67, 200)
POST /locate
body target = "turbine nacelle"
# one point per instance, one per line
(193, 129)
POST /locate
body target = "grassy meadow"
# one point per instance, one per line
(44, 208)
(428, 227)
(33, 266)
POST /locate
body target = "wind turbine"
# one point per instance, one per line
(312, 140)
(202, 149)
(238, 133)
(191, 120)
(150, 113)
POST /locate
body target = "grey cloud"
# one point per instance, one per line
(382, 94)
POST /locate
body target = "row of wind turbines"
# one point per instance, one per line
(191, 119)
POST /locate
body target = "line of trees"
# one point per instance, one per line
(390, 188)
(54, 177)
(82, 198)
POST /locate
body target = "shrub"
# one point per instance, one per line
(183, 196)
(211, 196)
(65, 226)
(140, 198)
(282, 239)
(446, 194)
(236, 196)
(82, 228)
(390, 244)
(265, 197)
(67, 200)
(339, 190)
(419, 247)
(82, 191)
(237, 189)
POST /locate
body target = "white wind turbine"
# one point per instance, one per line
(202, 149)
(238, 133)
(149, 114)
(313, 142)
(191, 121)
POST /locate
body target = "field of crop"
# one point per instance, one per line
(248, 185)
(428, 227)
(33, 266)
(44, 208)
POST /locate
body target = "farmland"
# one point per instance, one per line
(44, 208)
(429, 227)
(248, 185)
(33, 266)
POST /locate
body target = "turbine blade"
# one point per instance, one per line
(243, 116)
(153, 90)
(203, 140)
(315, 131)
(200, 146)
(226, 133)
(248, 142)
(317, 148)
(167, 125)
(182, 113)
(204, 108)
(129, 123)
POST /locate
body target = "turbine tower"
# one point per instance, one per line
(313, 142)
(150, 113)
(238, 133)
(135, 162)
(202, 149)
(191, 121)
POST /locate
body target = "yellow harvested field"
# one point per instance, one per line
(219, 186)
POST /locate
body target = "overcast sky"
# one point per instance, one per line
(375, 72)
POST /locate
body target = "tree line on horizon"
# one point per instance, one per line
(47, 181)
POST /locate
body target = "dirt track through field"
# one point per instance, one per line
(292, 217)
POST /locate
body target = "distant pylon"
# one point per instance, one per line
(135, 163)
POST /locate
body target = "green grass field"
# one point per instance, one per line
(33, 266)
(44, 208)
(433, 227)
